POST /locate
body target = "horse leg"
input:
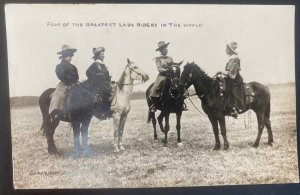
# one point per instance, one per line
(268, 125)
(160, 121)
(178, 127)
(116, 118)
(214, 124)
(49, 129)
(167, 127)
(85, 138)
(260, 121)
(122, 124)
(76, 139)
(223, 132)
(153, 119)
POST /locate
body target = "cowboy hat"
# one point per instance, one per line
(98, 50)
(232, 47)
(66, 49)
(162, 45)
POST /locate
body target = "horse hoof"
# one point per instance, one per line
(226, 148)
(180, 145)
(255, 145)
(53, 152)
(121, 148)
(217, 148)
(116, 150)
(75, 154)
(270, 144)
(86, 153)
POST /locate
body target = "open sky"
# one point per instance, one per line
(35, 33)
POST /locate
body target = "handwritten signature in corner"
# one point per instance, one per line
(46, 173)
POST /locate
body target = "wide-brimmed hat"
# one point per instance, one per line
(232, 46)
(98, 50)
(162, 45)
(66, 50)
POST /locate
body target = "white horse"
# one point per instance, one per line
(121, 100)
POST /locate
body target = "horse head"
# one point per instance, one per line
(135, 72)
(188, 75)
(192, 74)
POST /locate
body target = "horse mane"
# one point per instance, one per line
(200, 71)
(121, 80)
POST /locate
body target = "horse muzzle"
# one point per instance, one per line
(145, 78)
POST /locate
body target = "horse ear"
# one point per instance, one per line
(179, 63)
(128, 61)
(193, 62)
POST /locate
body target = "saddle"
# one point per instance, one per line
(102, 107)
(81, 96)
(249, 94)
(248, 90)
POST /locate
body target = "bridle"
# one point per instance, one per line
(132, 70)
(189, 81)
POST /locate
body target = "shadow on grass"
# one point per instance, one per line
(101, 149)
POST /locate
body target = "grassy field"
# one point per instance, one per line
(145, 163)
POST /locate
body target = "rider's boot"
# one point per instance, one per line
(153, 107)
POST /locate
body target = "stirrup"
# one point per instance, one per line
(184, 107)
(234, 113)
(152, 108)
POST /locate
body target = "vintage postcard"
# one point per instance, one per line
(151, 95)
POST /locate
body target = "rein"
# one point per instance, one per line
(194, 104)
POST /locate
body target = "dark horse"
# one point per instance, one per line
(209, 93)
(81, 106)
(171, 102)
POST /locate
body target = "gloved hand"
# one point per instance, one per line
(169, 70)
(97, 99)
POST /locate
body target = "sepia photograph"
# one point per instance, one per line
(151, 95)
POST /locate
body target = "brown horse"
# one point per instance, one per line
(208, 92)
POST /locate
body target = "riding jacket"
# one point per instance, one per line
(67, 73)
(104, 91)
(234, 83)
(98, 67)
(233, 66)
(163, 65)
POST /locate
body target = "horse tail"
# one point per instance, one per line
(151, 115)
(268, 111)
(44, 103)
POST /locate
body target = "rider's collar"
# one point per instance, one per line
(99, 61)
(233, 56)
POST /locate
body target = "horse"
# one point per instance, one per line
(80, 98)
(171, 102)
(208, 92)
